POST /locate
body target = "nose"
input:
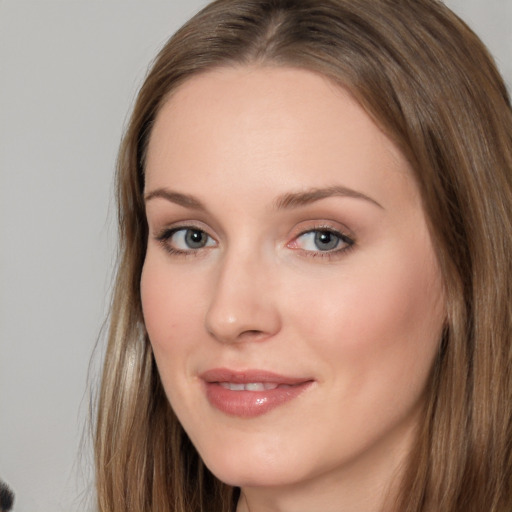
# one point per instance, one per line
(243, 303)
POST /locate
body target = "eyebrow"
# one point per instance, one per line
(297, 199)
(284, 202)
(185, 200)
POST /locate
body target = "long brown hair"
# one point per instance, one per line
(430, 84)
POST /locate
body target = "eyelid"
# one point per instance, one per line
(161, 225)
(347, 239)
(345, 235)
(323, 225)
(159, 228)
(164, 234)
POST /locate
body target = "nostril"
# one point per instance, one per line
(251, 334)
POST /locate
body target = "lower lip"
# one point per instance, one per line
(249, 404)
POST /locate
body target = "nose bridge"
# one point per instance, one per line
(241, 305)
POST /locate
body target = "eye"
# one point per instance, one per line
(185, 240)
(322, 241)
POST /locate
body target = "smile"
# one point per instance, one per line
(251, 393)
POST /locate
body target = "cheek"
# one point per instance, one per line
(169, 303)
(381, 324)
(171, 309)
(155, 299)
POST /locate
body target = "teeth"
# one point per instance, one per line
(254, 386)
(232, 387)
(250, 386)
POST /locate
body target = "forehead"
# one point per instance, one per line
(282, 127)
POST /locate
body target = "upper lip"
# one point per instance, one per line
(248, 376)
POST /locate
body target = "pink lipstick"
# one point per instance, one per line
(250, 393)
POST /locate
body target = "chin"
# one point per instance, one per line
(252, 476)
(240, 468)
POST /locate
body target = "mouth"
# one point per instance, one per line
(252, 386)
(250, 393)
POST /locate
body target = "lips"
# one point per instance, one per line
(250, 393)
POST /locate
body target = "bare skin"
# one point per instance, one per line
(286, 235)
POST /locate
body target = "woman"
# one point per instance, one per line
(312, 309)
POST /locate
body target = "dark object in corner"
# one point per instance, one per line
(6, 497)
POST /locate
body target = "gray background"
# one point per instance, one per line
(69, 71)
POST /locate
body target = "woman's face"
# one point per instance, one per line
(290, 288)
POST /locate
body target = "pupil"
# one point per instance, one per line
(325, 240)
(195, 239)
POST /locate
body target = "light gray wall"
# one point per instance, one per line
(69, 70)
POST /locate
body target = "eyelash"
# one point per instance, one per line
(348, 242)
(164, 236)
